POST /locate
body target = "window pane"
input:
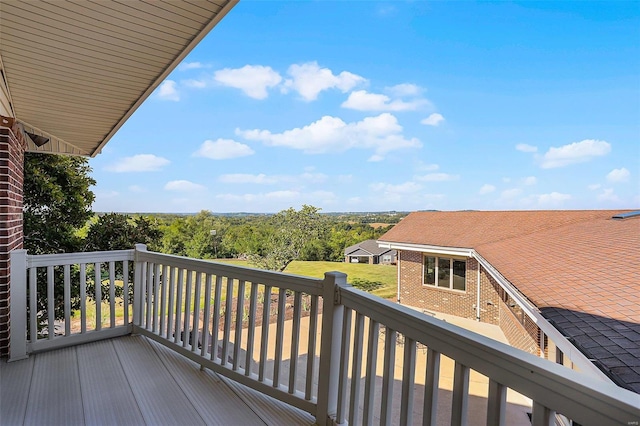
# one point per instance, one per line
(430, 270)
(459, 269)
(444, 272)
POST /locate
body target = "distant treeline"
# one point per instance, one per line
(240, 234)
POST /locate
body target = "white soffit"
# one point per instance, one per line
(77, 70)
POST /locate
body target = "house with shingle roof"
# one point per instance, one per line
(561, 284)
(368, 251)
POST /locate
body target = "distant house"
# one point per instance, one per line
(561, 284)
(368, 251)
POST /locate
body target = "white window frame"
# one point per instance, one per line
(437, 266)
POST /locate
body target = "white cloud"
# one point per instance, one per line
(437, 177)
(361, 100)
(330, 134)
(486, 189)
(404, 89)
(309, 80)
(282, 194)
(168, 91)
(253, 80)
(247, 178)
(183, 186)
(314, 177)
(222, 149)
(531, 180)
(195, 84)
(506, 179)
(390, 189)
(552, 199)
(433, 120)
(608, 195)
(526, 148)
(594, 186)
(577, 152)
(190, 66)
(421, 166)
(511, 193)
(137, 189)
(618, 175)
(138, 163)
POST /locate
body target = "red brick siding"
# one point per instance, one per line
(414, 293)
(11, 183)
(493, 298)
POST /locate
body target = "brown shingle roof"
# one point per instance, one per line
(580, 268)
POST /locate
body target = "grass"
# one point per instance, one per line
(386, 275)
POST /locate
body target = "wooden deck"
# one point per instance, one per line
(129, 381)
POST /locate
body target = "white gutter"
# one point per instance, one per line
(398, 273)
(561, 342)
(478, 295)
(567, 348)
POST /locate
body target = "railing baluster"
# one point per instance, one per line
(125, 290)
(251, 330)
(112, 294)
(83, 298)
(264, 338)
(541, 415)
(207, 316)
(387, 375)
(196, 313)
(156, 298)
(239, 317)
(431, 382)
(149, 298)
(163, 298)
(295, 341)
(171, 307)
(370, 376)
(460, 395)
(67, 300)
(496, 403)
(176, 333)
(186, 335)
(227, 322)
(216, 318)
(356, 370)
(311, 350)
(408, 380)
(50, 306)
(33, 299)
(97, 284)
(344, 366)
(282, 298)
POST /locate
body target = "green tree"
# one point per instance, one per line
(292, 231)
(116, 231)
(57, 201)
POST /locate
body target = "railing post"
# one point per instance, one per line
(138, 285)
(329, 369)
(18, 306)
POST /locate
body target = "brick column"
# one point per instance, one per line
(11, 185)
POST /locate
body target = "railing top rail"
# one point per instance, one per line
(59, 259)
(585, 399)
(307, 285)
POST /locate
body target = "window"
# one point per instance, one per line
(445, 272)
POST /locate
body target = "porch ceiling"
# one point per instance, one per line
(77, 70)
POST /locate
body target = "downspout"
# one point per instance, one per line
(478, 294)
(398, 266)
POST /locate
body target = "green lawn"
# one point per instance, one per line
(384, 274)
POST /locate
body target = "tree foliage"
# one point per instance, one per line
(116, 231)
(292, 231)
(57, 200)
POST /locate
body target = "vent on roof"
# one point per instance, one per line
(621, 216)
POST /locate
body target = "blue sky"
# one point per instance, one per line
(371, 106)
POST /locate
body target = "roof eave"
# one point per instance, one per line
(176, 61)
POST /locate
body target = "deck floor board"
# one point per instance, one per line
(127, 381)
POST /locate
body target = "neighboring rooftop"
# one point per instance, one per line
(580, 268)
(366, 248)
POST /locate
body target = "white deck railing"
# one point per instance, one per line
(315, 344)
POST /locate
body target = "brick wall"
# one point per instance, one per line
(11, 182)
(452, 302)
(521, 333)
